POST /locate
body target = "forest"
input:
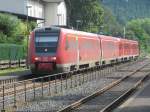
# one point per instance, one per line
(126, 10)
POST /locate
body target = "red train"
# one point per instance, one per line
(60, 50)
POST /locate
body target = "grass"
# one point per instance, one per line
(11, 70)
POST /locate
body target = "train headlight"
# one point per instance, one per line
(36, 58)
(53, 58)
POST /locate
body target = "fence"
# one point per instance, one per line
(28, 90)
(11, 52)
(5, 64)
(11, 55)
(21, 92)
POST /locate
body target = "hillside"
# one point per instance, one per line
(125, 10)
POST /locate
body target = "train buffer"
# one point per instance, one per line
(139, 102)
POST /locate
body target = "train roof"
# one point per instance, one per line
(78, 32)
(128, 40)
(109, 37)
(48, 29)
(55, 28)
(58, 29)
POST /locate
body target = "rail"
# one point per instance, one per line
(100, 92)
(123, 97)
(50, 85)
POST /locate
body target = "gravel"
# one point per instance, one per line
(98, 103)
(55, 102)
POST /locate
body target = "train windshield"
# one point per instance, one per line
(46, 43)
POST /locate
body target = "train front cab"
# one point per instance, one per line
(43, 50)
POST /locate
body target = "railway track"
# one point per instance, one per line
(124, 96)
(30, 84)
(36, 83)
(54, 87)
(23, 87)
(9, 90)
(72, 92)
(109, 97)
(15, 79)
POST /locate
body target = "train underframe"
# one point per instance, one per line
(59, 68)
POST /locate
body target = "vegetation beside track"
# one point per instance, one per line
(14, 31)
(11, 70)
(11, 52)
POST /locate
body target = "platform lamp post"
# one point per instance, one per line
(59, 15)
(27, 22)
(124, 32)
(101, 30)
(77, 24)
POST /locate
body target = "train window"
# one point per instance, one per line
(70, 42)
(46, 42)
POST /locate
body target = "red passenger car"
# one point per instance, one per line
(129, 49)
(134, 48)
(110, 49)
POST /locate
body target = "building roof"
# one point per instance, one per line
(53, 0)
(22, 16)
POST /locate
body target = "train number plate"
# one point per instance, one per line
(45, 58)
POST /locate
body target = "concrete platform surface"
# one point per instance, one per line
(16, 75)
(139, 102)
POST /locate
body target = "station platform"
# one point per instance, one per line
(16, 75)
(139, 102)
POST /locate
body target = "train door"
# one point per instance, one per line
(78, 51)
(100, 48)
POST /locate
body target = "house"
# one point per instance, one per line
(45, 12)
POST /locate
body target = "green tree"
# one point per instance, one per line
(138, 29)
(126, 10)
(110, 25)
(13, 30)
(89, 12)
(9, 28)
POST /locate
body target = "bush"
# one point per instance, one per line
(13, 30)
(3, 37)
(9, 27)
(139, 29)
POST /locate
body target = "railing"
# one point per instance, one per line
(51, 85)
(5, 64)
